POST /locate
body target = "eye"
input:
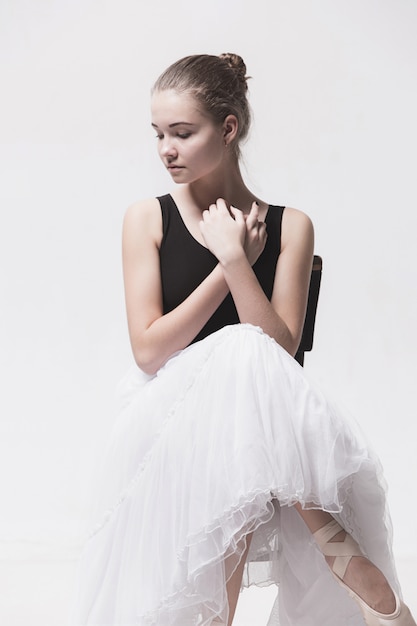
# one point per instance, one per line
(159, 136)
(184, 135)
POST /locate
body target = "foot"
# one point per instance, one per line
(367, 581)
(361, 579)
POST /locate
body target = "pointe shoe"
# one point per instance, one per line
(343, 551)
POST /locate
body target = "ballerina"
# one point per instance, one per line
(227, 467)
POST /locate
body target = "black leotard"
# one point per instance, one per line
(185, 263)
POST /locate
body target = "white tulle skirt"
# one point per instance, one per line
(220, 443)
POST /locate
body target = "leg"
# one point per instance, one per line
(371, 588)
(234, 583)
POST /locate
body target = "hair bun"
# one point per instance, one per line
(237, 64)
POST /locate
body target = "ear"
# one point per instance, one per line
(230, 128)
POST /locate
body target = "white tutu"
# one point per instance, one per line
(221, 442)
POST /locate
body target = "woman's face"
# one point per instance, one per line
(189, 143)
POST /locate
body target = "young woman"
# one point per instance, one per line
(226, 466)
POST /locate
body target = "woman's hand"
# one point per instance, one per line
(224, 233)
(230, 234)
(256, 235)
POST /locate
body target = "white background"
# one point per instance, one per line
(334, 95)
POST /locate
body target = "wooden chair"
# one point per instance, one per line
(306, 343)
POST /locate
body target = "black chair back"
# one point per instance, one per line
(306, 342)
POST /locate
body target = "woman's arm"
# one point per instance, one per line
(155, 337)
(283, 317)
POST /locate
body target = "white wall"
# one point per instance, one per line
(334, 96)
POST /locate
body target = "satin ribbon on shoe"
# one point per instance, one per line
(343, 551)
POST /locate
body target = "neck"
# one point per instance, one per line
(227, 183)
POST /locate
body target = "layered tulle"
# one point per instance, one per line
(220, 443)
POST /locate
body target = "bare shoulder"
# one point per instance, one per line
(148, 210)
(297, 228)
(143, 219)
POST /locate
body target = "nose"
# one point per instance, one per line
(167, 148)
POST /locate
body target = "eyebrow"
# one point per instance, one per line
(175, 124)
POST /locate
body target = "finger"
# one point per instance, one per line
(262, 232)
(221, 205)
(237, 214)
(253, 215)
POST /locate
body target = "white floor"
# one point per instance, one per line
(37, 593)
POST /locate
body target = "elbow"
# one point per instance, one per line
(146, 361)
(287, 342)
(291, 342)
(292, 346)
(149, 350)
(147, 368)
